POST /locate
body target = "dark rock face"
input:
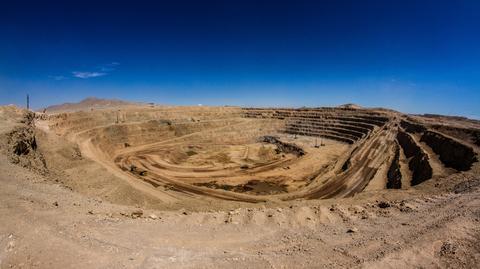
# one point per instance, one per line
(411, 127)
(394, 176)
(25, 142)
(452, 153)
(282, 146)
(22, 145)
(421, 169)
(346, 165)
(418, 164)
(476, 138)
(461, 133)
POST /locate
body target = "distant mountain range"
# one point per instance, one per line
(87, 104)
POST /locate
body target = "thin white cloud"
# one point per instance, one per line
(84, 75)
(101, 71)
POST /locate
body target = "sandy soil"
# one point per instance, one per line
(45, 225)
(85, 212)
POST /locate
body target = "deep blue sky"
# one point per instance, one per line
(413, 56)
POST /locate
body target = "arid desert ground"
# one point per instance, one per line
(114, 184)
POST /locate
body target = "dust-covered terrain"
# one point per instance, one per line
(112, 184)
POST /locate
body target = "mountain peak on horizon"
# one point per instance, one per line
(86, 104)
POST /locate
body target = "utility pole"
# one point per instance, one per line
(28, 102)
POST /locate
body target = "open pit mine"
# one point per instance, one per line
(255, 155)
(375, 176)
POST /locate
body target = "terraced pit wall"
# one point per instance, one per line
(341, 124)
(471, 135)
(114, 129)
(126, 137)
(411, 127)
(418, 163)
(452, 153)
